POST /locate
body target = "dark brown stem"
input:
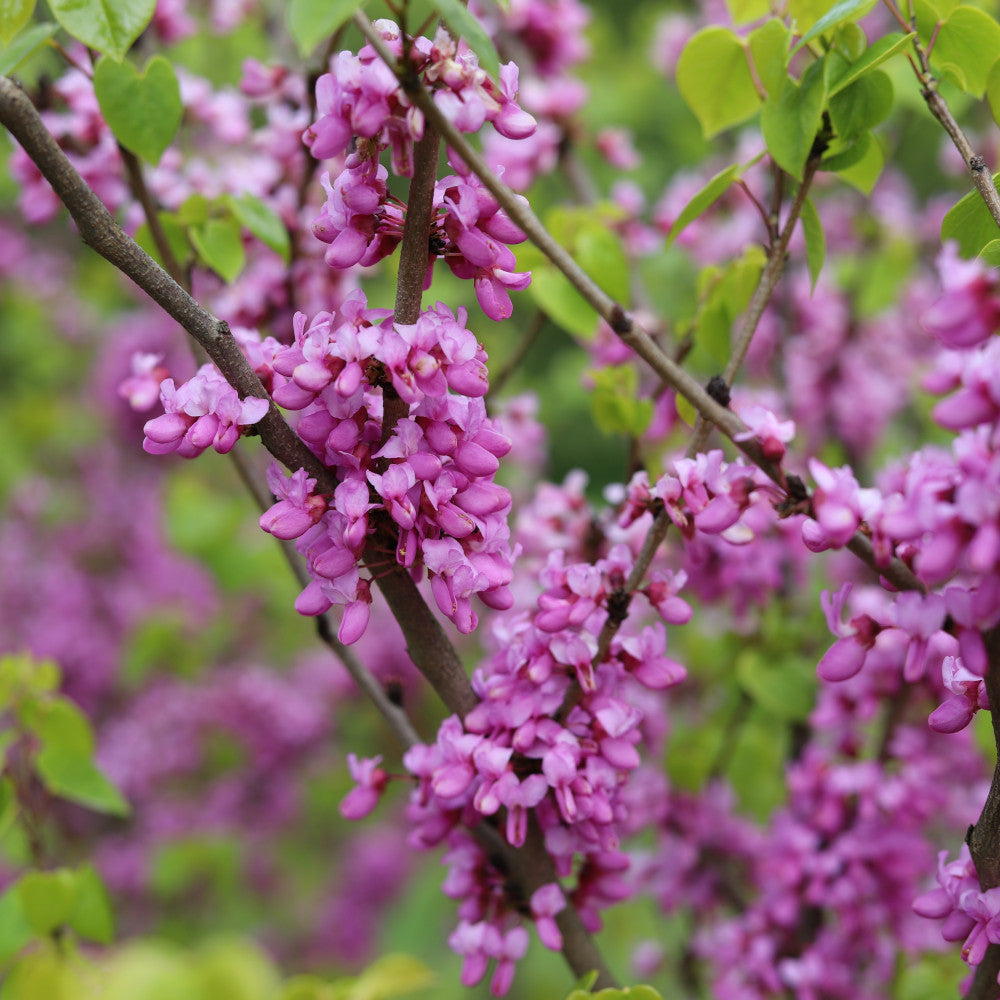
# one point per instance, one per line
(137, 185)
(984, 838)
(611, 311)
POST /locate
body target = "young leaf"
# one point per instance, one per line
(812, 228)
(617, 410)
(704, 199)
(47, 899)
(970, 223)
(25, 45)
(714, 79)
(310, 21)
(220, 246)
(14, 15)
(462, 24)
(991, 253)
(15, 931)
(91, 915)
(969, 40)
(993, 90)
(861, 172)
(846, 10)
(840, 73)
(144, 109)
(262, 221)
(861, 106)
(791, 120)
(769, 48)
(745, 11)
(110, 26)
(65, 761)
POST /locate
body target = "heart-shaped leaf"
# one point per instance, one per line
(110, 26)
(143, 109)
(14, 15)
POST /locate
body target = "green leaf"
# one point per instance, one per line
(812, 228)
(785, 689)
(599, 251)
(14, 15)
(235, 969)
(220, 246)
(616, 406)
(65, 761)
(91, 915)
(769, 49)
(311, 21)
(262, 221)
(175, 233)
(840, 73)
(47, 899)
(25, 45)
(15, 931)
(791, 120)
(993, 90)
(850, 40)
(144, 110)
(745, 11)
(861, 106)
(70, 776)
(110, 26)
(704, 199)
(462, 24)
(862, 172)
(969, 40)
(991, 253)
(714, 79)
(390, 976)
(846, 10)
(970, 223)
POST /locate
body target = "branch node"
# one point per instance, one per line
(620, 321)
(977, 164)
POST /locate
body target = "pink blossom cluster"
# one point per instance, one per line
(521, 753)
(363, 108)
(430, 472)
(970, 914)
(203, 412)
(561, 720)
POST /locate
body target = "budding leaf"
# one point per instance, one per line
(144, 109)
(462, 24)
(25, 45)
(261, 220)
(714, 79)
(14, 15)
(310, 21)
(110, 26)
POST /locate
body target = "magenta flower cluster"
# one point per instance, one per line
(363, 109)
(431, 472)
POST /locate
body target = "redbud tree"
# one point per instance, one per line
(618, 389)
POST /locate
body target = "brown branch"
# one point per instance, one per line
(427, 644)
(612, 312)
